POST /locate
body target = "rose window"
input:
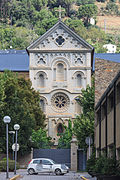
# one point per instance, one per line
(60, 102)
(60, 40)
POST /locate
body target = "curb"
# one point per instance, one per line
(15, 177)
(83, 178)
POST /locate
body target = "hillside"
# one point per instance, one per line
(108, 23)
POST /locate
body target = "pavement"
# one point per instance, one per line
(21, 174)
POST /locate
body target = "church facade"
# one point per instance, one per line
(60, 65)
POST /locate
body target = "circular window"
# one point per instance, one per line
(60, 101)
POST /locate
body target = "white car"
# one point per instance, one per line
(42, 165)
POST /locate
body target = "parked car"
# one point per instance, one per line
(42, 165)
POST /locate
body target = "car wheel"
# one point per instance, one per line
(31, 171)
(58, 172)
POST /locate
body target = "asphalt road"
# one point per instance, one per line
(25, 176)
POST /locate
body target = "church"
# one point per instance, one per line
(60, 64)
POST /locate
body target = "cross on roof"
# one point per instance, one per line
(60, 10)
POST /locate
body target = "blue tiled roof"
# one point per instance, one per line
(108, 56)
(115, 57)
(18, 60)
(14, 60)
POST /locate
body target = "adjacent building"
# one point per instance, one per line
(107, 107)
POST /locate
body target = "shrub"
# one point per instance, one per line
(11, 165)
(103, 166)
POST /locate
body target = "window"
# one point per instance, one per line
(79, 80)
(46, 162)
(60, 40)
(60, 72)
(60, 129)
(42, 104)
(118, 93)
(60, 102)
(103, 109)
(36, 161)
(41, 80)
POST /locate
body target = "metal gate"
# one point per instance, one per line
(82, 158)
(62, 156)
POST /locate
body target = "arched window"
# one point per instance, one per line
(60, 128)
(42, 104)
(79, 80)
(78, 108)
(41, 80)
(60, 72)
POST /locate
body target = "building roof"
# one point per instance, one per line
(115, 57)
(14, 60)
(18, 60)
(108, 89)
(108, 56)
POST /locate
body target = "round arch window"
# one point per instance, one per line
(60, 102)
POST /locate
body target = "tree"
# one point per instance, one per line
(22, 104)
(66, 137)
(84, 123)
(86, 12)
(112, 8)
(67, 4)
(83, 2)
(40, 140)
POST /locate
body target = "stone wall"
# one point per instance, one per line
(105, 71)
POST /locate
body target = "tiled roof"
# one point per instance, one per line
(115, 57)
(14, 60)
(18, 60)
(108, 56)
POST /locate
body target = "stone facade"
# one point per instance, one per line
(60, 66)
(105, 71)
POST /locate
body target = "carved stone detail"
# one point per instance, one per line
(40, 58)
(79, 59)
(60, 37)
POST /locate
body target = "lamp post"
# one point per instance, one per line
(7, 120)
(13, 133)
(16, 128)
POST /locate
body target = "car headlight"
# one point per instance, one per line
(63, 166)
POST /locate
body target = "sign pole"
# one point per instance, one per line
(89, 147)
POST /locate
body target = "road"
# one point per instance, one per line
(25, 176)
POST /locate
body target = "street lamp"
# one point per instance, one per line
(13, 133)
(7, 120)
(16, 128)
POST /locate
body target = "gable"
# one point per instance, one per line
(60, 37)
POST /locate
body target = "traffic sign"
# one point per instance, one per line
(88, 140)
(13, 147)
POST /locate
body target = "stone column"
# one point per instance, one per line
(74, 148)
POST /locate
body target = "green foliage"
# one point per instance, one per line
(103, 166)
(67, 5)
(101, 1)
(86, 12)
(18, 38)
(83, 2)
(21, 103)
(84, 127)
(112, 8)
(40, 140)
(86, 100)
(84, 123)
(66, 137)
(11, 165)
